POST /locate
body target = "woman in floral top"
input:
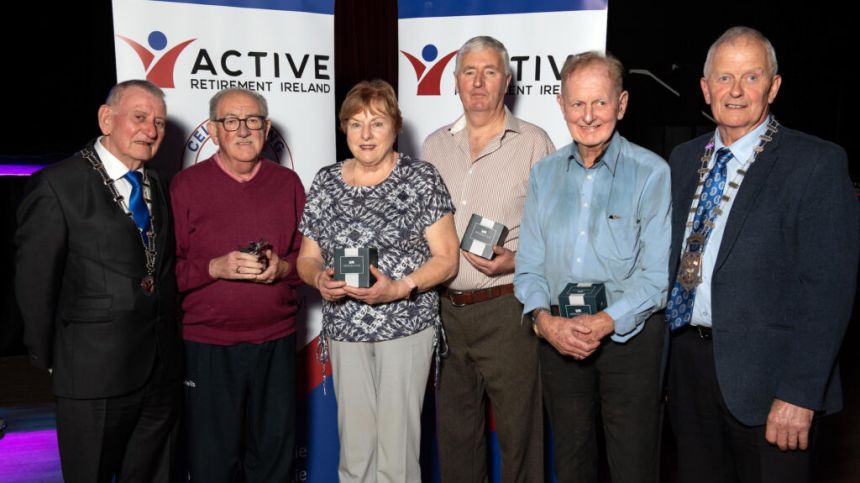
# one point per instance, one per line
(381, 337)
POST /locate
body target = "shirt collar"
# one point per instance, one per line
(254, 170)
(609, 158)
(511, 123)
(113, 166)
(742, 149)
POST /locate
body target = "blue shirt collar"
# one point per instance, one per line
(609, 158)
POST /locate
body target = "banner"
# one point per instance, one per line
(284, 50)
(539, 35)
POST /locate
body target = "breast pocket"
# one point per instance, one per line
(619, 238)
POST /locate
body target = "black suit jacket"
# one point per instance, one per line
(784, 279)
(79, 264)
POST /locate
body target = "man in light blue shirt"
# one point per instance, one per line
(598, 211)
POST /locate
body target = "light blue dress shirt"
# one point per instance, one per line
(742, 150)
(609, 223)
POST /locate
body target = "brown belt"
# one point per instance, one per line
(470, 297)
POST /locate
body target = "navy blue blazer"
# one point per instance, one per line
(784, 279)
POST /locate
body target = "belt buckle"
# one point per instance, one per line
(704, 332)
(452, 294)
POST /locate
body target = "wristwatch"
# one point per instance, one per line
(533, 315)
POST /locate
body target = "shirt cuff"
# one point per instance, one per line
(535, 300)
(624, 321)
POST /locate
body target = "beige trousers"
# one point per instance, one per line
(380, 391)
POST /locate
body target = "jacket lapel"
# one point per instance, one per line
(747, 197)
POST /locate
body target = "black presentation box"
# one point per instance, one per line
(353, 266)
(582, 299)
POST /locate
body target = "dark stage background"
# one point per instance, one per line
(58, 64)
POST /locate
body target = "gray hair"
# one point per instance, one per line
(735, 33)
(587, 59)
(117, 91)
(216, 99)
(482, 42)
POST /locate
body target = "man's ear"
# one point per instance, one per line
(105, 119)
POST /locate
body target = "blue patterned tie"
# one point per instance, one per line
(679, 309)
(136, 204)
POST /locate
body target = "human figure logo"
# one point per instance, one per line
(159, 73)
(429, 83)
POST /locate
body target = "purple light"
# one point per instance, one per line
(30, 456)
(19, 169)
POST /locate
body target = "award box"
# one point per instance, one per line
(481, 234)
(581, 299)
(352, 265)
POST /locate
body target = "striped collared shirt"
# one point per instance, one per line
(494, 185)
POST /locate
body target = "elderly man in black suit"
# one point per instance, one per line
(95, 284)
(764, 260)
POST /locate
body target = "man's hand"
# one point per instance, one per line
(384, 290)
(278, 269)
(568, 336)
(502, 263)
(788, 425)
(601, 325)
(235, 266)
(329, 288)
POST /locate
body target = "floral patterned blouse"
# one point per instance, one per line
(391, 216)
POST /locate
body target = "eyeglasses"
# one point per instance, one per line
(254, 123)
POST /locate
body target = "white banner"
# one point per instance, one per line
(538, 34)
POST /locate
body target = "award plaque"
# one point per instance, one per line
(581, 299)
(352, 265)
(480, 236)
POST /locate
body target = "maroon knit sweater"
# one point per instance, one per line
(214, 215)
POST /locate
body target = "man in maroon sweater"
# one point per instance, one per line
(239, 310)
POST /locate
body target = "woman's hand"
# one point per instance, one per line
(329, 288)
(384, 290)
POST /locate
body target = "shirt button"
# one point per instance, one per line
(588, 177)
(582, 233)
(585, 205)
(463, 202)
(578, 260)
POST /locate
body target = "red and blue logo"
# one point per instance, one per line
(429, 83)
(160, 72)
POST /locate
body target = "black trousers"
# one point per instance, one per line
(713, 446)
(131, 437)
(240, 404)
(620, 384)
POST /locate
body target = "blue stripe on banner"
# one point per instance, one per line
(459, 8)
(307, 6)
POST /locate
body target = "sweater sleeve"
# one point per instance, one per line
(191, 272)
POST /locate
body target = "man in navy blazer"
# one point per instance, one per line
(763, 266)
(96, 289)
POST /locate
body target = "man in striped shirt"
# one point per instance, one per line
(485, 157)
